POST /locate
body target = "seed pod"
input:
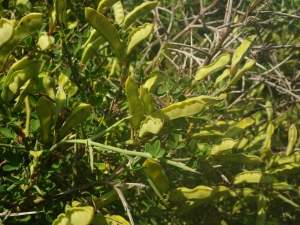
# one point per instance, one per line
(27, 25)
(118, 12)
(157, 175)
(139, 11)
(183, 193)
(107, 30)
(137, 35)
(109, 219)
(6, 30)
(16, 80)
(78, 115)
(218, 64)
(240, 53)
(49, 86)
(253, 177)
(293, 135)
(136, 108)
(45, 110)
(261, 211)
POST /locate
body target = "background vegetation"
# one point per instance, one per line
(132, 112)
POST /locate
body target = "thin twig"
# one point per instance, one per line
(19, 214)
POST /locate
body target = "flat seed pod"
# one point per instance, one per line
(109, 220)
(109, 197)
(294, 158)
(150, 125)
(240, 158)
(183, 193)
(139, 11)
(240, 53)
(94, 35)
(105, 3)
(78, 115)
(207, 135)
(136, 108)
(107, 30)
(18, 65)
(137, 35)
(240, 72)
(185, 108)
(14, 82)
(80, 215)
(45, 41)
(221, 61)
(147, 100)
(118, 12)
(244, 202)
(225, 74)
(49, 86)
(283, 186)
(24, 91)
(157, 79)
(45, 110)
(90, 49)
(239, 127)
(293, 135)
(261, 211)
(253, 177)
(6, 30)
(285, 169)
(157, 175)
(27, 25)
(228, 144)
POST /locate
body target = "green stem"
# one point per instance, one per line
(28, 112)
(102, 147)
(12, 146)
(95, 137)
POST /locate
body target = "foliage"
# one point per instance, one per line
(149, 112)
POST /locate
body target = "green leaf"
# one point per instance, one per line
(8, 167)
